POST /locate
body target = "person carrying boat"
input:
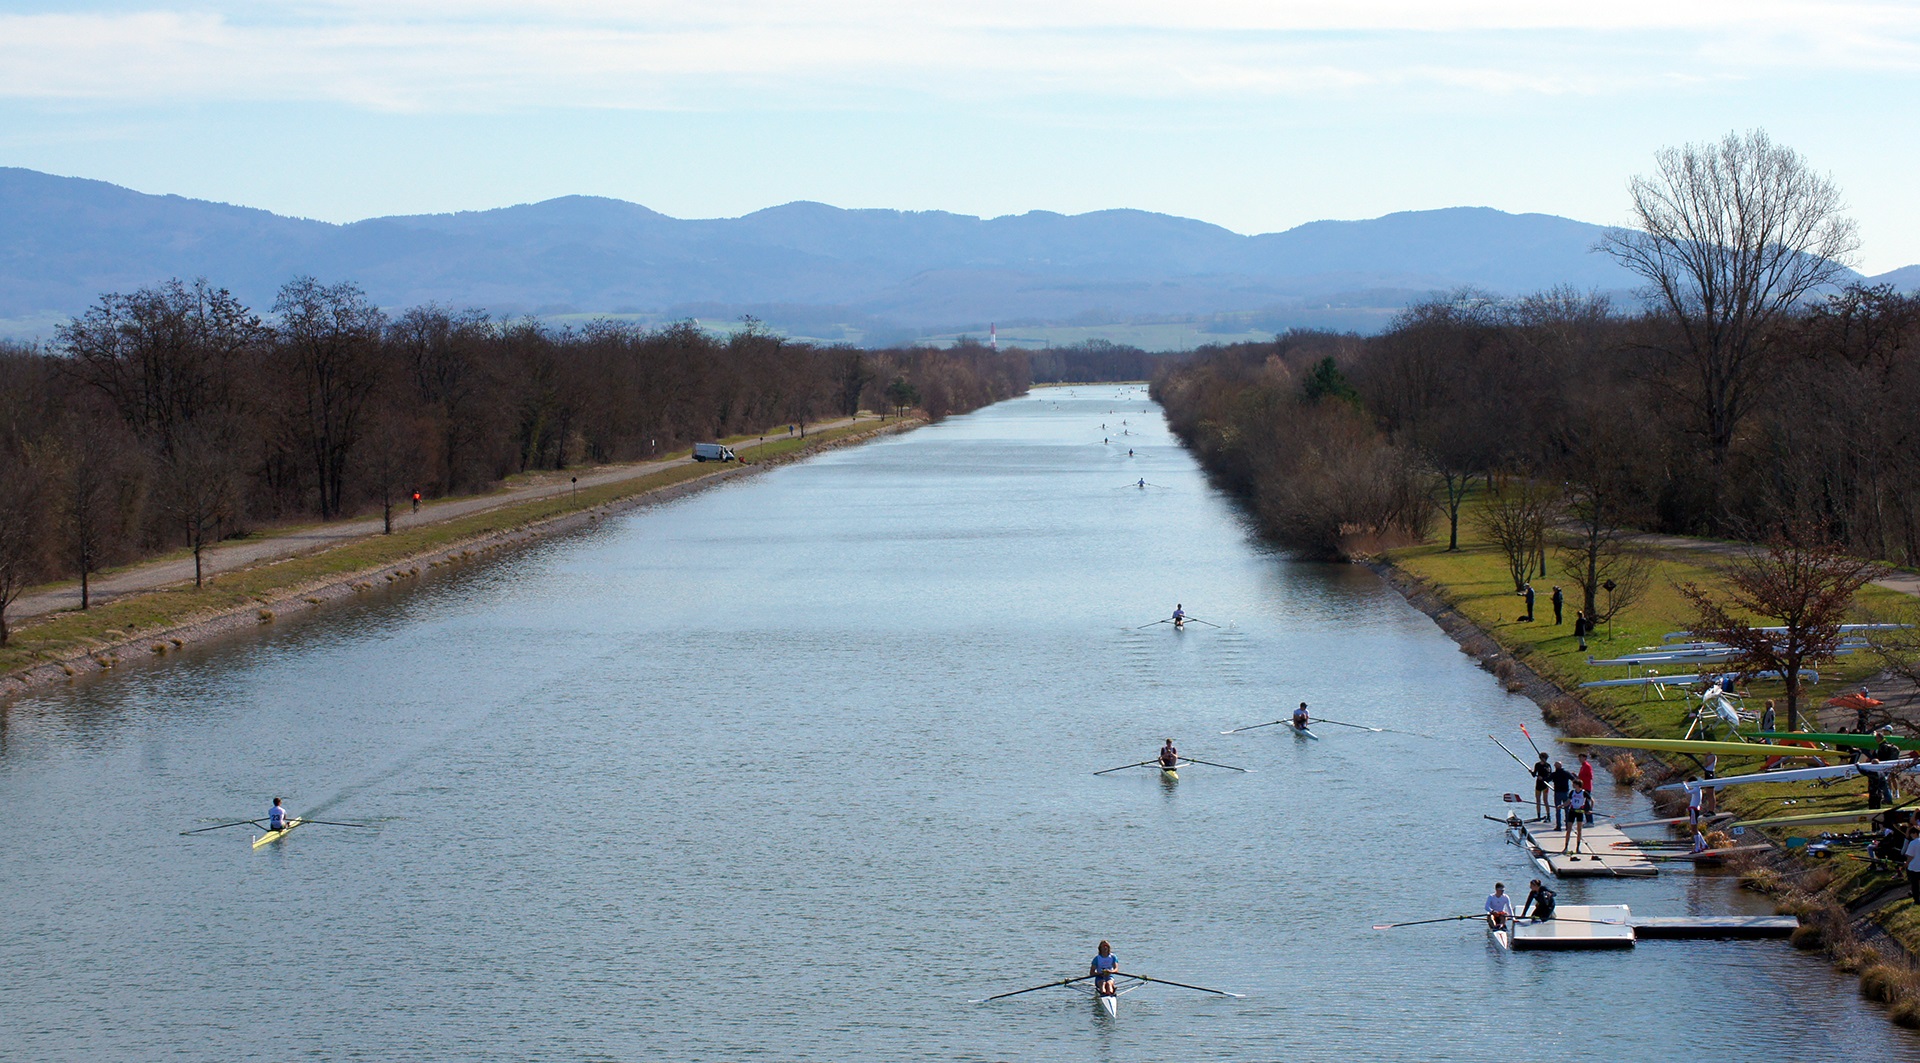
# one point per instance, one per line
(1539, 902)
(277, 817)
(1300, 718)
(1499, 907)
(1105, 963)
(1695, 800)
(1169, 756)
(1699, 842)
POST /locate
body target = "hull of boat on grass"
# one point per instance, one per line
(1724, 749)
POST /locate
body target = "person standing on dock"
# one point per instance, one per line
(1542, 773)
(1577, 805)
(1562, 786)
(1499, 907)
(1539, 901)
(1912, 852)
(1694, 801)
(1585, 779)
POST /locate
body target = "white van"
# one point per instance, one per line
(713, 452)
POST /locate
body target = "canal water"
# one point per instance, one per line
(795, 768)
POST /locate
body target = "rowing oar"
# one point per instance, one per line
(331, 823)
(1156, 623)
(1209, 623)
(1530, 741)
(1422, 922)
(1124, 767)
(1030, 989)
(1511, 753)
(235, 823)
(1253, 727)
(1229, 767)
(1364, 727)
(1183, 985)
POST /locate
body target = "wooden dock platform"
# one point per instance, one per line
(1676, 927)
(1573, 926)
(1605, 852)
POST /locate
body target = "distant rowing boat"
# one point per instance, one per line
(276, 835)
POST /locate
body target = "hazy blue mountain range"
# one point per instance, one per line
(812, 268)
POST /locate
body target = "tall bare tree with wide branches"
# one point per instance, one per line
(1733, 235)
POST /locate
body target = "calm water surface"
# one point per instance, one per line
(792, 769)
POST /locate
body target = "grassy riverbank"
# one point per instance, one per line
(151, 622)
(1474, 581)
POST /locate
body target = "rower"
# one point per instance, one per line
(1105, 963)
(1300, 717)
(276, 816)
(1179, 615)
(1539, 901)
(1169, 756)
(1143, 481)
(1499, 907)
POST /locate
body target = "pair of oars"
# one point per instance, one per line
(1336, 723)
(257, 823)
(1169, 620)
(1183, 760)
(1483, 915)
(1116, 974)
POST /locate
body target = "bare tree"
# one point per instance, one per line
(1733, 235)
(1801, 580)
(163, 356)
(198, 487)
(330, 336)
(92, 492)
(22, 529)
(1515, 521)
(1596, 552)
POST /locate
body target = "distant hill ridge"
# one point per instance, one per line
(891, 274)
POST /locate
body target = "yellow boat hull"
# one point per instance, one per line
(276, 835)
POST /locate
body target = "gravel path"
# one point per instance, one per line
(243, 553)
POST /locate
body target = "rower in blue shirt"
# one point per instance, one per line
(1102, 969)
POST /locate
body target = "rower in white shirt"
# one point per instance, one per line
(1499, 907)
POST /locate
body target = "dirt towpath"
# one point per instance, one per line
(229, 556)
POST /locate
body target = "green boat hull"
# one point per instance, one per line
(1725, 749)
(1832, 739)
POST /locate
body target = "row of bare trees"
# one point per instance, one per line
(1748, 392)
(176, 414)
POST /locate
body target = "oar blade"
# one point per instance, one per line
(222, 826)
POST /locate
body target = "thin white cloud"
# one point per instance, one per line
(481, 55)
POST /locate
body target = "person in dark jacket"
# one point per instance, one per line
(1559, 600)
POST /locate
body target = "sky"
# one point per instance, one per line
(1257, 116)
